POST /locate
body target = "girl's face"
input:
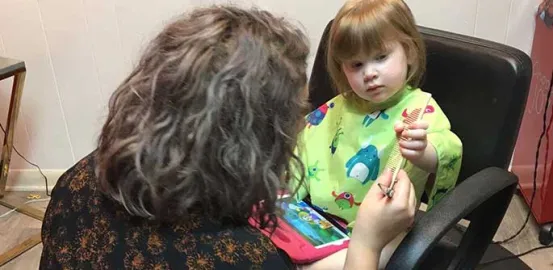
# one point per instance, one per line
(379, 76)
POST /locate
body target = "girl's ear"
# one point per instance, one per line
(411, 57)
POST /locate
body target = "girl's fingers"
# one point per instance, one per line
(398, 127)
(414, 134)
(421, 124)
(411, 154)
(413, 145)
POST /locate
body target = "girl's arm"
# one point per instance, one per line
(429, 159)
(449, 154)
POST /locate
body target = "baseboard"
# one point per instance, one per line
(32, 180)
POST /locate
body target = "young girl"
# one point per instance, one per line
(376, 59)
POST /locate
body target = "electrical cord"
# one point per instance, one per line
(535, 176)
(33, 164)
(545, 128)
(27, 202)
(488, 263)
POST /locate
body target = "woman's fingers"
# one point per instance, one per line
(405, 198)
(412, 202)
(402, 188)
(384, 180)
(412, 198)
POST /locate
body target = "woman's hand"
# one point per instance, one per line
(380, 219)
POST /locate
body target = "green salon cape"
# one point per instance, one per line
(344, 149)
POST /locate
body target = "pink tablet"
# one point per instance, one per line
(304, 234)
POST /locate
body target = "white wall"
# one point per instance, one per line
(78, 51)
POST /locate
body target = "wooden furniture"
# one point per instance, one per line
(14, 68)
(9, 68)
(20, 249)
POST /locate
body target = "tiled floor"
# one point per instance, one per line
(16, 227)
(528, 238)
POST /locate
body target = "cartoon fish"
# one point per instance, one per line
(364, 165)
(345, 200)
(316, 117)
(370, 118)
(334, 144)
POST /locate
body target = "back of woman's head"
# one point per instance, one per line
(366, 27)
(207, 120)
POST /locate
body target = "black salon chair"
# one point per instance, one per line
(482, 87)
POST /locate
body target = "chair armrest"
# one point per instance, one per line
(485, 196)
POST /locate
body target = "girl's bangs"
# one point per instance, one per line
(365, 35)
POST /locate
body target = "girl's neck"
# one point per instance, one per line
(370, 107)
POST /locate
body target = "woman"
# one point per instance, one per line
(199, 133)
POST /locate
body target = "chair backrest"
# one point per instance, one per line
(482, 86)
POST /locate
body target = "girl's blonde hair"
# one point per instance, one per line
(365, 27)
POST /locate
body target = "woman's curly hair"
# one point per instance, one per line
(208, 119)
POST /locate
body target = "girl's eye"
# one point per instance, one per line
(356, 64)
(381, 57)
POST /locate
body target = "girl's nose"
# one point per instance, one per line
(369, 75)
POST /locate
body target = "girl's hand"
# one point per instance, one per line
(414, 146)
(412, 139)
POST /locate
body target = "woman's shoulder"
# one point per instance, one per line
(82, 170)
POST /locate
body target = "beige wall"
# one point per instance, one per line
(78, 51)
